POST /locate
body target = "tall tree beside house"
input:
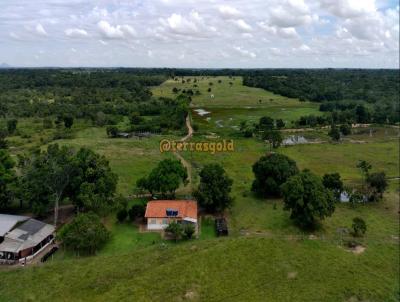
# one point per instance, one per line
(7, 178)
(60, 172)
(364, 168)
(214, 188)
(165, 178)
(307, 199)
(84, 235)
(270, 172)
(95, 184)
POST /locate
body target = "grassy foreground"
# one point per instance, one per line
(241, 269)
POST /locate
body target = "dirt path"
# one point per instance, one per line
(184, 162)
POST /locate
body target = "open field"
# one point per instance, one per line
(230, 104)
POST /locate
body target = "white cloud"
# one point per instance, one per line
(242, 25)
(76, 33)
(291, 13)
(228, 12)
(349, 8)
(244, 52)
(192, 25)
(39, 29)
(115, 32)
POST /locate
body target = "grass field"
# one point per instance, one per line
(265, 257)
(231, 104)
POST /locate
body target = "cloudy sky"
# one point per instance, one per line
(200, 33)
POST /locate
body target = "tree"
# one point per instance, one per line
(112, 131)
(7, 178)
(121, 215)
(68, 121)
(85, 234)
(214, 188)
(377, 183)
(175, 90)
(345, 129)
(95, 184)
(333, 183)
(307, 199)
(364, 168)
(270, 172)
(266, 123)
(136, 211)
(274, 137)
(135, 118)
(359, 227)
(175, 229)
(12, 126)
(3, 142)
(280, 124)
(334, 133)
(189, 230)
(165, 178)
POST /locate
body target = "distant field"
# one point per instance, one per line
(230, 104)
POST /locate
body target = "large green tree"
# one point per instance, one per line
(214, 188)
(334, 183)
(165, 178)
(377, 184)
(270, 172)
(7, 178)
(85, 234)
(307, 199)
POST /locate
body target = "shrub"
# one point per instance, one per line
(359, 227)
(137, 211)
(188, 230)
(121, 215)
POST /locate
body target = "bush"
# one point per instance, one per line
(359, 227)
(189, 230)
(137, 211)
(121, 215)
(84, 234)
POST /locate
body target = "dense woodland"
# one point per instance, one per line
(352, 95)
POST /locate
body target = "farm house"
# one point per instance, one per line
(22, 238)
(159, 213)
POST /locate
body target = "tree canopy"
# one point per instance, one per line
(270, 172)
(214, 188)
(307, 199)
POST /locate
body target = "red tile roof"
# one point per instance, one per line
(158, 208)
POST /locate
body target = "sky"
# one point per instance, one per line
(200, 34)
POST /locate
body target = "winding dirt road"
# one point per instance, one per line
(184, 162)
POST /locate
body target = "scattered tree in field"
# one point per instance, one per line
(12, 126)
(209, 89)
(175, 90)
(280, 124)
(136, 211)
(85, 234)
(377, 184)
(189, 230)
(274, 137)
(355, 198)
(271, 171)
(359, 227)
(68, 121)
(333, 183)
(364, 168)
(7, 178)
(345, 129)
(112, 131)
(334, 133)
(165, 178)
(121, 215)
(214, 188)
(307, 199)
(246, 129)
(135, 118)
(266, 123)
(175, 229)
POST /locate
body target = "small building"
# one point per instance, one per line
(160, 213)
(22, 238)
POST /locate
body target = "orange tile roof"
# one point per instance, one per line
(158, 208)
